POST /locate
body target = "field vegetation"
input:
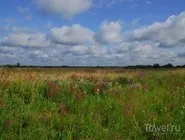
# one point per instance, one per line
(90, 104)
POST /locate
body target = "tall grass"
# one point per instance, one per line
(90, 104)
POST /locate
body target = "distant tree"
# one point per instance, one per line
(168, 65)
(156, 66)
(18, 65)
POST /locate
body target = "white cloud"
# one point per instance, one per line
(170, 33)
(79, 50)
(25, 40)
(78, 45)
(73, 35)
(67, 8)
(38, 54)
(144, 53)
(110, 32)
(98, 50)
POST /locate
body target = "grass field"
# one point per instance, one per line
(93, 104)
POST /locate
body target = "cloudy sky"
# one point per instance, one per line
(92, 32)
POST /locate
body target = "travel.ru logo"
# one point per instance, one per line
(164, 129)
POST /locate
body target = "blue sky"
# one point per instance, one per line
(92, 32)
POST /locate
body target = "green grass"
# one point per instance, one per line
(115, 106)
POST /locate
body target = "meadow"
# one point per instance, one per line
(93, 104)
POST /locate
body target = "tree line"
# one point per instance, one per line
(169, 65)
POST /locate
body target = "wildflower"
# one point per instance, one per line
(135, 86)
(99, 87)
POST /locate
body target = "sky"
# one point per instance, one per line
(92, 32)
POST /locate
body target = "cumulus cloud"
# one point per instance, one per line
(144, 53)
(79, 50)
(25, 40)
(170, 33)
(67, 8)
(78, 45)
(110, 32)
(73, 35)
(98, 50)
(38, 54)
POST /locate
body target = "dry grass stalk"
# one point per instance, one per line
(3, 105)
(53, 90)
(9, 123)
(63, 110)
(128, 110)
(79, 96)
(72, 89)
(99, 87)
(152, 116)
